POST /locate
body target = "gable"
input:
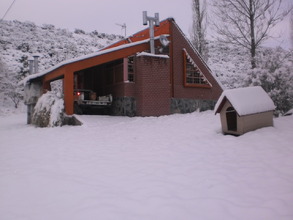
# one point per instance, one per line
(207, 91)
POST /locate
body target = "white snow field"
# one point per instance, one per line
(177, 167)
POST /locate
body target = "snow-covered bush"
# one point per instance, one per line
(49, 110)
(274, 74)
(229, 63)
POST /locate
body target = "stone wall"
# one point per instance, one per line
(124, 106)
(190, 105)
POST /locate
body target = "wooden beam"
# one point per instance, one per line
(68, 84)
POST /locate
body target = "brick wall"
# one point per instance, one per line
(152, 81)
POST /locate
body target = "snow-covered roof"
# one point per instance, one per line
(246, 101)
(98, 53)
(152, 55)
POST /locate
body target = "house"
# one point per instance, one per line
(244, 109)
(173, 80)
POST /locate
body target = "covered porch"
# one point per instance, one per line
(109, 72)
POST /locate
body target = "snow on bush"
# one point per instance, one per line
(49, 110)
(274, 74)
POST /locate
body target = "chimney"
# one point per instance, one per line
(31, 66)
(36, 63)
(152, 21)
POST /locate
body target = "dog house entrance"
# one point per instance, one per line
(231, 116)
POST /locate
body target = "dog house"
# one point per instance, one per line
(244, 109)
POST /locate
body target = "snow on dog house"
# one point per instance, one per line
(174, 79)
(244, 109)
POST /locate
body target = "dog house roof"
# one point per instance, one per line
(246, 101)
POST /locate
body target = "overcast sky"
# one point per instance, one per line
(102, 15)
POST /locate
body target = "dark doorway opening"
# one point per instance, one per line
(231, 116)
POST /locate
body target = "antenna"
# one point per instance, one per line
(123, 26)
(7, 11)
(152, 20)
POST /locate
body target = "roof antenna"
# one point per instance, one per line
(123, 26)
(152, 20)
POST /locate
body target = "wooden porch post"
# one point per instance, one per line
(68, 83)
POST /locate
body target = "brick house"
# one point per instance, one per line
(173, 80)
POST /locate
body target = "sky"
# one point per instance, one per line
(104, 15)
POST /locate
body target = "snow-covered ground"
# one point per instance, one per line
(159, 168)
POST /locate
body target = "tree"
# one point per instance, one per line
(248, 22)
(198, 35)
(8, 84)
(24, 69)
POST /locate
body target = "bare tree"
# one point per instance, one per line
(198, 34)
(248, 22)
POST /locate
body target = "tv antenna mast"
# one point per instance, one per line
(123, 27)
(152, 21)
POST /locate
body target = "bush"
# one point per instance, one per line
(274, 74)
(49, 110)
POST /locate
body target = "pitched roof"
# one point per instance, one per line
(88, 56)
(140, 37)
(246, 101)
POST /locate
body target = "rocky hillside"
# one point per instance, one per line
(19, 40)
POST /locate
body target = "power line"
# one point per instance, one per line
(7, 10)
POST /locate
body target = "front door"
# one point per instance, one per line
(231, 116)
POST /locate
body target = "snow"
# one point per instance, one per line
(169, 167)
(152, 55)
(248, 100)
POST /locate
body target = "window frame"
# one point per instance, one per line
(201, 76)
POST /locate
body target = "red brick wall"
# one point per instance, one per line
(152, 82)
(180, 91)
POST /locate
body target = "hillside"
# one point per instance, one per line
(20, 40)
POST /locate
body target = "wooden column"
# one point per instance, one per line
(68, 83)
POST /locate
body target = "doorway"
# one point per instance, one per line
(231, 116)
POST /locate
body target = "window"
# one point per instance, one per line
(131, 69)
(193, 76)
